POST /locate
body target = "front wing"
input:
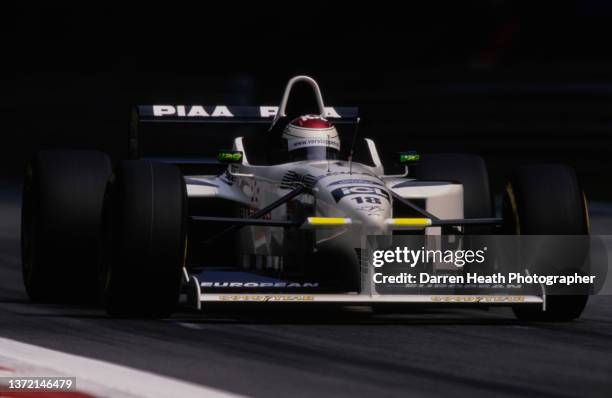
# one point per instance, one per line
(238, 286)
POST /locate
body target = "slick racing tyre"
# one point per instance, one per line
(547, 200)
(144, 240)
(471, 172)
(63, 193)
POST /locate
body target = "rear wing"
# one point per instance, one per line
(229, 114)
(243, 121)
(246, 121)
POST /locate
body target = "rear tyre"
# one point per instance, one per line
(547, 200)
(63, 193)
(144, 240)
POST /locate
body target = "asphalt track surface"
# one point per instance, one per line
(330, 352)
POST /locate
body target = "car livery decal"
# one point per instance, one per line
(340, 193)
(160, 111)
(209, 284)
(266, 298)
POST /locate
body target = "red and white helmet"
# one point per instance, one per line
(311, 137)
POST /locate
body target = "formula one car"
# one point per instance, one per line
(279, 217)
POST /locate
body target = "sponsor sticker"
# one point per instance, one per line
(261, 284)
(266, 297)
(359, 190)
(194, 111)
(298, 143)
(479, 299)
(201, 111)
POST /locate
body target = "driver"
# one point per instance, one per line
(311, 137)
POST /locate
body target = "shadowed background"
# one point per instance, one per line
(516, 83)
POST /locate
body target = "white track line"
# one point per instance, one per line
(103, 378)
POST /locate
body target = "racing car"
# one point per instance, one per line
(277, 214)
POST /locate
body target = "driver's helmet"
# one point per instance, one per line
(311, 137)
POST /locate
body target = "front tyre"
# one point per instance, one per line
(145, 228)
(547, 200)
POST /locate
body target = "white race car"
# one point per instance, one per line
(285, 220)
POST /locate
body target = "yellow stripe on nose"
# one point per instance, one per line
(409, 222)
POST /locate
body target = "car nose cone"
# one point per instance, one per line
(367, 205)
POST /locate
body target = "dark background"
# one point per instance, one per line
(517, 82)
